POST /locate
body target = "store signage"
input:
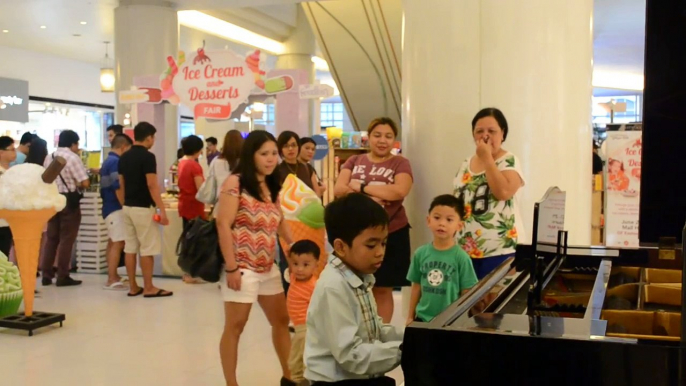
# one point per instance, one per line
(623, 184)
(551, 216)
(315, 91)
(322, 147)
(14, 98)
(213, 84)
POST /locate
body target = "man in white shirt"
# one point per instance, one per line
(64, 226)
(7, 155)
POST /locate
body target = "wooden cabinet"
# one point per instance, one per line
(331, 166)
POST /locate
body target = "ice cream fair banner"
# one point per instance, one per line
(213, 84)
(623, 188)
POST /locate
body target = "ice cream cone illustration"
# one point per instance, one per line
(28, 199)
(304, 213)
(27, 228)
(253, 62)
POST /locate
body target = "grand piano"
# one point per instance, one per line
(559, 315)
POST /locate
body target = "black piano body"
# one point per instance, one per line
(490, 336)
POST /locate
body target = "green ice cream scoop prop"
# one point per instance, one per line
(11, 294)
(312, 215)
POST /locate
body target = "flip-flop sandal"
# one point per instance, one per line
(140, 291)
(160, 294)
(118, 286)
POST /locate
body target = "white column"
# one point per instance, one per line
(300, 46)
(530, 58)
(145, 33)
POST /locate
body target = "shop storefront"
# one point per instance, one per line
(47, 118)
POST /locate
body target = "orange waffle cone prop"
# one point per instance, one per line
(300, 231)
(27, 228)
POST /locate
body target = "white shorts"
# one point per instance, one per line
(116, 228)
(253, 284)
(142, 232)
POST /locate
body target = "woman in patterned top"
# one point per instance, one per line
(488, 183)
(248, 221)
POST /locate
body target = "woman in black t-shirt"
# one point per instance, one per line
(289, 148)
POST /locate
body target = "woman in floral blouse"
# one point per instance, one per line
(488, 183)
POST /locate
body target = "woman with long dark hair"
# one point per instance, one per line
(37, 151)
(248, 222)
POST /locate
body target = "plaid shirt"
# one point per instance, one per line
(363, 294)
(73, 173)
(346, 338)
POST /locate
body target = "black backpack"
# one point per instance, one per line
(199, 252)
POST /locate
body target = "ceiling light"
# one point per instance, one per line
(320, 64)
(83, 23)
(47, 104)
(257, 106)
(618, 80)
(5, 31)
(43, 27)
(212, 25)
(107, 79)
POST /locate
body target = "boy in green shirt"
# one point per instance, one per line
(440, 271)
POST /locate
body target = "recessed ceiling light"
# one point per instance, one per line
(76, 35)
(43, 27)
(83, 23)
(5, 31)
(47, 104)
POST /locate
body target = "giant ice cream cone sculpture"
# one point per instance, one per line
(28, 199)
(304, 213)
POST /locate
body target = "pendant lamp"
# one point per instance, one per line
(107, 72)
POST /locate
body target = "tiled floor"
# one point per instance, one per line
(109, 339)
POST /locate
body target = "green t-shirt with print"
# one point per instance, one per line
(442, 275)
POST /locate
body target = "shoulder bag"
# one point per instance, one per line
(207, 194)
(199, 252)
(73, 198)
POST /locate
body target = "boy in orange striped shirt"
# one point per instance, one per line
(303, 258)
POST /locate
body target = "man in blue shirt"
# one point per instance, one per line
(112, 200)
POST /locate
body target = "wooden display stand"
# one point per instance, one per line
(331, 166)
(91, 242)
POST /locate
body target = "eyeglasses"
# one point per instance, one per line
(291, 146)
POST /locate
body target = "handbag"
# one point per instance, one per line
(73, 198)
(199, 252)
(207, 194)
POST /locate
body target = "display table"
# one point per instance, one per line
(170, 237)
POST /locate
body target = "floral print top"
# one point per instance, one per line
(490, 225)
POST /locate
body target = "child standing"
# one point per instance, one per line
(347, 342)
(441, 271)
(303, 258)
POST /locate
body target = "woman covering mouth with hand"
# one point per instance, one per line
(488, 183)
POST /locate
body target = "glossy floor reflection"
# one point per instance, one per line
(109, 339)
